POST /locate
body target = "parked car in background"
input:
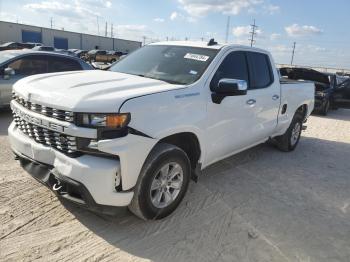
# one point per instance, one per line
(91, 55)
(17, 64)
(324, 85)
(44, 48)
(15, 46)
(341, 95)
(66, 52)
(135, 135)
(34, 44)
(103, 56)
(81, 54)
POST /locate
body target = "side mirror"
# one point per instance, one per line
(8, 72)
(228, 87)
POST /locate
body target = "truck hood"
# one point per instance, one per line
(87, 91)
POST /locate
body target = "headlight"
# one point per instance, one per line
(103, 120)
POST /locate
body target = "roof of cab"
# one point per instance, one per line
(15, 53)
(201, 44)
(190, 44)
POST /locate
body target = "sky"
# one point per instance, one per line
(319, 27)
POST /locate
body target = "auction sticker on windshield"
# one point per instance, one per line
(197, 57)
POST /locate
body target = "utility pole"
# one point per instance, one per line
(227, 28)
(144, 40)
(112, 30)
(253, 33)
(51, 22)
(106, 29)
(291, 62)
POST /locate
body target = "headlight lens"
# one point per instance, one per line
(104, 120)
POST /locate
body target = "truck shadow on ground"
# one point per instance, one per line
(218, 212)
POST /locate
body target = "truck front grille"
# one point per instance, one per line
(61, 142)
(44, 110)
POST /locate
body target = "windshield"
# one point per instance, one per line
(173, 64)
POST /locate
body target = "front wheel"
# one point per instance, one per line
(290, 139)
(162, 184)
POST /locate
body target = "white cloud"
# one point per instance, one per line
(178, 16)
(305, 30)
(199, 8)
(272, 9)
(240, 31)
(174, 15)
(158, 20)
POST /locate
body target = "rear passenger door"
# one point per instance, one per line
(264, 92)
(62, 64)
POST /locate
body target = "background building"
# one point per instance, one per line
(13, 32)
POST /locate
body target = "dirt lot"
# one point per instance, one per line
(260, 205)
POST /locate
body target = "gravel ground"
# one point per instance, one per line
(260, 205)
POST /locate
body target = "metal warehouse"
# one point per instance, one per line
(13, 32)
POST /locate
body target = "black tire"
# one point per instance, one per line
(285, 142)
(141, 204)
(325, 108)
(113, 60)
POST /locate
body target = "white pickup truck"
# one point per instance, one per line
(135, 135)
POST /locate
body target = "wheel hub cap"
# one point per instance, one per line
(295, 134)
(166, 185)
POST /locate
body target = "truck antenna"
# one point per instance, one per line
(212, 42)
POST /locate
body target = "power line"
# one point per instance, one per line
(253, 33)
(291, 62)
(227, 29)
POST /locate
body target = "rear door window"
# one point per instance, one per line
(260, 70)
(61, 64)
(234, 66)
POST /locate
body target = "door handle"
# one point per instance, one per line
(251, 102)
(275, 97)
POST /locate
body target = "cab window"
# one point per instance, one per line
(234, 66)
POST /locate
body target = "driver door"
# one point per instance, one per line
(231, 122)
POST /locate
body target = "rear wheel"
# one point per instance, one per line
(162, 184)
(290, 139)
